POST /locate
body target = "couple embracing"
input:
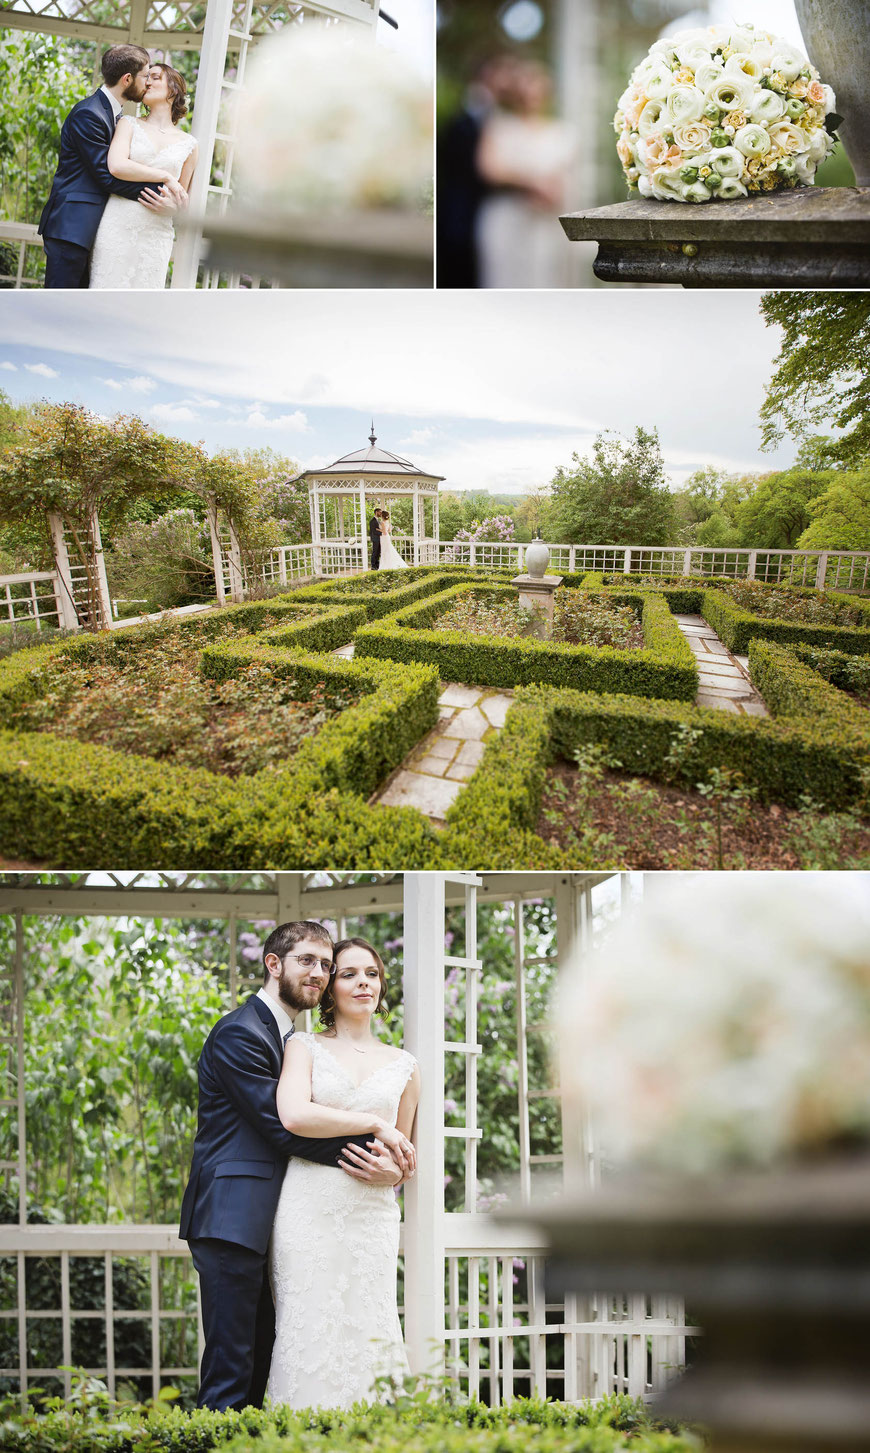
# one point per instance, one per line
(384, 553)
(108, 219)
(290, 1211)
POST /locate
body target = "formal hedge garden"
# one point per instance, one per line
(416, 1419)
(307, 795)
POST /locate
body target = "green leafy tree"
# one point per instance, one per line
(777, 511)
(80, 467)
(822, 370)
(840, 518)
(619, 496)
(41, 80)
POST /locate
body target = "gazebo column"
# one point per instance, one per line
(217, 557)
(423, 993)
(209, 83)
(363, 525)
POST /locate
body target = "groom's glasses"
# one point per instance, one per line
(309, 962)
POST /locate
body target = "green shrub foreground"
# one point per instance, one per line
(415, 1422)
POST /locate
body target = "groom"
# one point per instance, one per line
(82, 183)
(239, 1157)
(375, 537)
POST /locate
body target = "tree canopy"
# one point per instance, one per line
(822, 372)
(619, 495)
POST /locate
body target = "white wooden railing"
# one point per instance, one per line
(30, 598)
(18, 237)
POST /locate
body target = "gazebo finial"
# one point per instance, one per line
(372, 435)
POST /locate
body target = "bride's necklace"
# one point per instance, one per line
(355, 1047)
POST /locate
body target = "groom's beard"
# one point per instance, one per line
(299, 996)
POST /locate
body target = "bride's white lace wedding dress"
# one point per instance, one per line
(133, 245)
(390, 557)
(333, 1257)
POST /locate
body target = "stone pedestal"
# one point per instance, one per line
(536, 594)
(776, 1268)
(809, 237)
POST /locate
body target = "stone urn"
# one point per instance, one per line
(837, 37)
(537, 559)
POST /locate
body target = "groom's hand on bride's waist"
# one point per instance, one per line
(375, 1166)
(169, 197)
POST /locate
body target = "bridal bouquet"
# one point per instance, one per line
(329, 120)
(720, 113)
(726, 1022)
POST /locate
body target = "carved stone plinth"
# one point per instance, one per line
(536, 594)
(810, 237)
(774, 1266)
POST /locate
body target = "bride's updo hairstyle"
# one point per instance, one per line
(327, 1003)
(177, 88)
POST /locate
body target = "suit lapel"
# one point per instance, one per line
(105, 106)
(267, 1018)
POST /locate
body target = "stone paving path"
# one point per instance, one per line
(723, 679)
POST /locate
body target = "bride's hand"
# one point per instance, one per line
(402, 1150)
(375, 1166)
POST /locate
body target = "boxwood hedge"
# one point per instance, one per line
(614, 1424)
(74, 804)
(664, 668)
(737, 627)
(405, 586)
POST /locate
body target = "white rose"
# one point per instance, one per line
(664, 47)
(741, 37)
(830, 101)
(787, 137)
(698, 36)
(804, 169)
(693, 55)
(644, 186)
(695, 192)
(752, 140)
(719, 35)
(693, 136)
(667, 184)
(652, 118)
(762, 52)
(626, 98)
(708, 74)
(767, 106)
(788, 60)
(818, 147)
(685, 104)
(730, 189)
(728, 161)
(732, 92)
(658, 81)
(743, 64)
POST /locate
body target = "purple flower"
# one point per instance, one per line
(450, 1107)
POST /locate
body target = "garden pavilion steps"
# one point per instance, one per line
(723, 679)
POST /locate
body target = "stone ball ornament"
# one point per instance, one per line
(329, 121)
(722, 113)
(725, 1023)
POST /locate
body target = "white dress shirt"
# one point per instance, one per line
(282, 1018)
(117, 108)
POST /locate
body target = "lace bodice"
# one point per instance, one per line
(379, 1093)
(172, 156)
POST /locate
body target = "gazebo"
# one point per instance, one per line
(341, 495)
(223, 32)
(474, 1298)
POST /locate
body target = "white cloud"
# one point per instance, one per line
(42, 369)
(112, 383)
(295, 423)
(140, 384)
(417, 439)
(172, 413)
(10, 367)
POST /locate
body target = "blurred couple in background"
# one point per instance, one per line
(503, 169)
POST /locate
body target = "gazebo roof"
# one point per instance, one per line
(371, 461)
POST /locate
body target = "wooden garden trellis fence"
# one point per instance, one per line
(474, 1287)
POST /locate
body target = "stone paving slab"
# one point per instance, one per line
(431, 795)
(718, 666)
(712, 698)
(723, 679)
(470, 754)
(346, 651)
(469, 724)
(434, 766)
(454, 695)
(495, 708)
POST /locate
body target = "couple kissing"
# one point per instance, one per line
(108, 219)
(290, 1211)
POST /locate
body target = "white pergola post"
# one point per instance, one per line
(363, 524)
(206, 110)
(104, 601)
(423, 992)
(217, 558)
(237, 574)
(67, 614)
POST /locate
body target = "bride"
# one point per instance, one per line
(133, 244)
(390, 557)
(335, 1240)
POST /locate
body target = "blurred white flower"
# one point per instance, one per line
(727, 1021)
(328, 119)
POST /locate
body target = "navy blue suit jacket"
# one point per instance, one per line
(82, 183)
(241, 1148)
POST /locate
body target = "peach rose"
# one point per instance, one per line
(816, 93)
(624, 151)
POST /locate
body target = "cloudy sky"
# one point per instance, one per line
(490, 390)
